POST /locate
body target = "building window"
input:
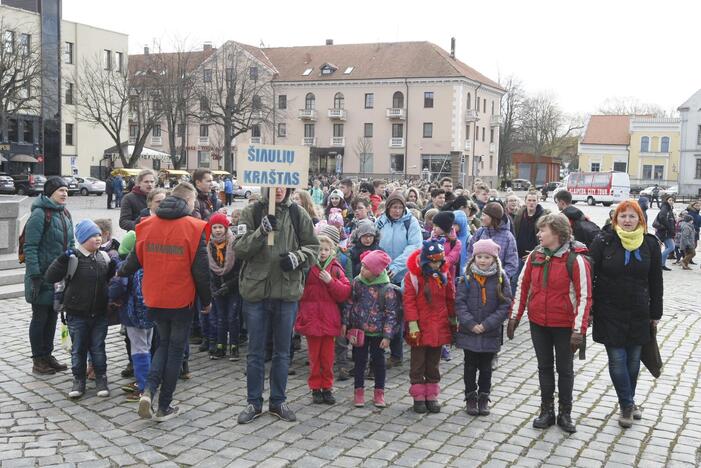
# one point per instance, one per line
(253, 73)
(25, 44)
(428, 129)
(477, 102)
(664, 145)
(119, 61)
(69, 134)
(492, 107)
(133, 130)
(658, 173)
(308, 130)
(68, 52)
(369, 100)
(338, 130)
(484, 105)
(491, 135)
(256, 103)
(477, 132)
(397, 130)
(255, 131)
(368, 130)
(491, 161)
(204, 103)
(309, 101)
(645, 144)
(698, 136)
(69, 93)
(338, 101)
(181, 130)
(9, 41)
(398, 100)
(207, 75)
(28, 131)
(595, 167)
(282, 130)
(467, 132)
(204, 130)
(282, 101)
(156, 130)
(620, 166)
(428, 99)
(12, 130)
(203, 159)
(469, 101)
(698, 169)
(484, 131)
(396, 162)
(107, 59)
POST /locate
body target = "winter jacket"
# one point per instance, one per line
(375, 201)
(556, 301)
(697, 220)
(625, 297)
(109, 184)
(118, 186)
(453, 253)
(43, 245)
(508, 254)
(471, 311)
(583, 229)
(362, 309)
(228, 187)
(356, 251)
(205, 205)
(132, 204)
(319, 313)
(464, 235)
(688, 236)
(434, 316)
(667, 222)
(86, 294)
(343, 259)
(398, 242)
(126, 293)
(261, 276)
(526, 241)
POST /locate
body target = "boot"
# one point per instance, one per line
(58, 366)
(483, 404)
(625, 419)
(41, 366)
(547, 415)
(359, 398)
(78, 389)
(418, 393)
(564, 419)
(101, 386)
(471, 404)
(378, 398)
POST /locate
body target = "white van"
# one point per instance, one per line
(606, 188)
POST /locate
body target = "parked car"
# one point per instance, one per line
(28, 184)
(550, 186)
(88, 185)
(647, 191)
(72, 184)
(245, 191)
(673, 190)
(7, 185)
(520, 184)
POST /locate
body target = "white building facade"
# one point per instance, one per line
(690, 170)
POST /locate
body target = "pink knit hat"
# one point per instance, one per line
(376, 261)
(486, 246)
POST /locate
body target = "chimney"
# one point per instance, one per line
(329, 41)
(452, 47)
(207, 46)
(145, 50)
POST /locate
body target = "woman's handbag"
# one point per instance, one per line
(650, 354)
(356, 337)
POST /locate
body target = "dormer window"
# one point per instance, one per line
(307, 72)
(348, 71)
(328, 69)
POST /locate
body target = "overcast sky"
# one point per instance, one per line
(582, 52)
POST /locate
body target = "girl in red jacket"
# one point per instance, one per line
(319, 318)
(429, 310)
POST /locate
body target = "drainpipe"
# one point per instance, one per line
(406, 133)
(474, 137)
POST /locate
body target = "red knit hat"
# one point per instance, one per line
(219, 218)
(376, 261)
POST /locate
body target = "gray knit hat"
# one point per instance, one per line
(365, 226)
(329, 231)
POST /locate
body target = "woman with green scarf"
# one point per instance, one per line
(627, 290)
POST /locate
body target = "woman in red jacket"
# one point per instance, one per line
(429, 311)
(319, 318)
(556, 287)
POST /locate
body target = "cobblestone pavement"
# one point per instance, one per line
(40, 426)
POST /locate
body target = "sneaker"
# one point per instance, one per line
(130, 387)
(217, 354)
(317, 398)
(359, 397)
(625, 419)
(637, 413)
(445, 354)
(249, 414)
(393, 362)
(145, 411)
(128, 371)
(234, 353)
(328, 397)
(283, 412)
(166, 414)
(133, 397)
(78, 389)
(101, 386)
(378, 398)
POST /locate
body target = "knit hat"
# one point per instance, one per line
(52, 184)
(219, 218)
(375, 261)
(396, 196)
(86, 229)
(494, 210)
(486, 246)
(365, 227)
(432, 250)
(444, 220)
(128, 243)
(325, 229)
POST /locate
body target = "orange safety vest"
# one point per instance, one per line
(166, 249)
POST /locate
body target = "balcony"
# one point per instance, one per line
(307, 114)
(396, 142)
(132, 140)
(492, 147)
(396, 113)
(495, 120)
(203, 140)
(156, 141)
(309, 141)
(255, 140)
(337, 114)
(471, 115)
(468, 145)
(338, 141)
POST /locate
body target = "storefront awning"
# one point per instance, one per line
(25, 158)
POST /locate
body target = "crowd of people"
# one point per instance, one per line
(361, 270)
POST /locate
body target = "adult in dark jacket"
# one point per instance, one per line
(135, 201)
(118, 189)
(644, 203)
(496, 228)
(109, 190)
(693, 210)
(206, 204)
(42, 245)
(627, 296)
(666, 228)
(525, 227)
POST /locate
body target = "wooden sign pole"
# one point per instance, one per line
(271, 211)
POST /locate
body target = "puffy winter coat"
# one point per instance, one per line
(502, 236)
(555, 301)
(433, 316)
(687, 238)
(697, 219)
(626, 297)
(471, 311)
(132, 205)
(453, 251)
(362, 309)
(319, 313)
(399, 239)
(666, 220)
(43, 244)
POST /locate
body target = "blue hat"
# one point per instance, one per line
(86, 229)
(432, 251)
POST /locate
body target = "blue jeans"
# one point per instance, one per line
(228, 319)
(87, 334)
(624, 366)
(42, 330)
(208, 322)
(173, 326)
(281, 315)
(668, 249)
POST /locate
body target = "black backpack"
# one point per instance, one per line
(585, 231)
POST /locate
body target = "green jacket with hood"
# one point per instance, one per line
(261, 276)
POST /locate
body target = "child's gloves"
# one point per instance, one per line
(414, 335)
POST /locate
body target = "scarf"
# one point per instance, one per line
(437, 275)
(481, 276)
(631, 242)
(549, 254)
(383, 278)
(221, 254)
(327, 262)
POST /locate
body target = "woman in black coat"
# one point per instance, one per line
(665, 228)
(627, 296)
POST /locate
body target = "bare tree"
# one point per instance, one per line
(235, 92)
(544, 126)
(631, 106)
(363, 149)
(511, 108)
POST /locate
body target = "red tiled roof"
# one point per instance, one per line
(607, 130)
(139, 62)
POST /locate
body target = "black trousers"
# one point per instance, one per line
(481, 362)
(547, 340)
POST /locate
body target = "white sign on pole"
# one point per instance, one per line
(273, 166)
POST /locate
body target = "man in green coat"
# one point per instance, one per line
(271, 283)
(42, 244)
